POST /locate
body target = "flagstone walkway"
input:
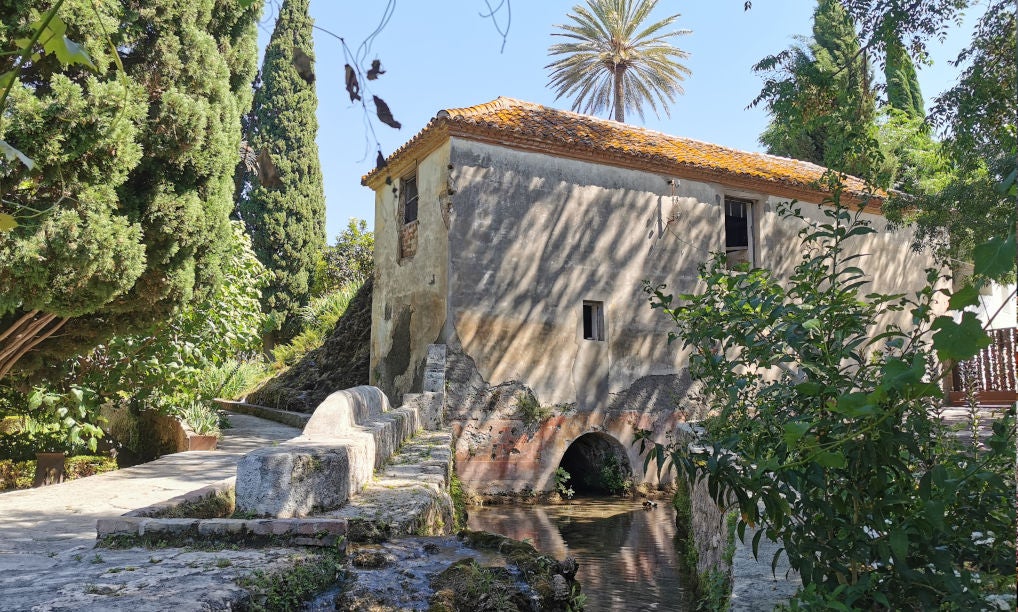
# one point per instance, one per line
(47, 560)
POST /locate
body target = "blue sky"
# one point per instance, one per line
(442, 54)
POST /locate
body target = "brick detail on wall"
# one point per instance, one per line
(408, 240)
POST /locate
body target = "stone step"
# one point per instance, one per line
(408, 496)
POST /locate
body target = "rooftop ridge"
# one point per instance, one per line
(511, 122)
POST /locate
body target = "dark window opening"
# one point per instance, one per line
(738, 221)
(593, 320)
(409, 199)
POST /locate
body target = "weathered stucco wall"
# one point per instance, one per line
(408, 309)
(891, 264)
(532, 238)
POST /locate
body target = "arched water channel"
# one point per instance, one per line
(626, 551)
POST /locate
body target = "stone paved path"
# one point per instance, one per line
(47, 534)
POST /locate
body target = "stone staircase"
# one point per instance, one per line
(408, 496)
(359, 470)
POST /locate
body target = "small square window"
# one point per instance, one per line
(593, 320)
(409, 199)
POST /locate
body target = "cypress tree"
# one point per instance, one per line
(125, 216)
(822, 104)
(903, 91)
(284, 207)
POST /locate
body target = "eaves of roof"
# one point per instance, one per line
(531, 127)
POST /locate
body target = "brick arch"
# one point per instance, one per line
(585, 456)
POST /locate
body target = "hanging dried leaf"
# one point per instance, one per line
(353, 87)
(268, 176)
(303, 63)
(384, 114)
(376, 69)
(248, 157)
(380, 161)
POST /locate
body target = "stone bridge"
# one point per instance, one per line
(508, 442)
(499, 455)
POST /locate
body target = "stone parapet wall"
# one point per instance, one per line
(350, 435)
(128, 531)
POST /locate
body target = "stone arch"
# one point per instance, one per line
(586, 456)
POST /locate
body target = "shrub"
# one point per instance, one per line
(16, 474)
(319, 318)
(82, 466)
(823, 434)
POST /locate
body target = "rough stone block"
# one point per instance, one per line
(221, 528)
(288, 480)
(434, 369)
(168, 527)
(343, 410)
(280, 527)
(117, 526)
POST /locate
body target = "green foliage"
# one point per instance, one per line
(530, 408)
(824, 435)
(614, 477)
(201, 417)
(820, 98)
(188, 358)
(16, 474)
(981, 146)
(459, 502)
(903, 93)
(614, 62)
(319, 318)
(562, 483)
(124, 217)
(284, 206)
(350, 261)
(82, 466)
(288, 589)
(167, 366)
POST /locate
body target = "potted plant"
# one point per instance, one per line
(201, 425)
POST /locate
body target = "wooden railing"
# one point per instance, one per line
(991, 373)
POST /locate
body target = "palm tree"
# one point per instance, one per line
(612, 64)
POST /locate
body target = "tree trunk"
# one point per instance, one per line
(620, 96)
(23, 336)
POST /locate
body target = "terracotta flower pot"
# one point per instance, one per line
(49, 469)
(198, 442)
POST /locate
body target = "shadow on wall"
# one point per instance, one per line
(542, 236)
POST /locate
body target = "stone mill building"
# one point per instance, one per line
(519, 237)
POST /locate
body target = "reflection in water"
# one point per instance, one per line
(626, 554)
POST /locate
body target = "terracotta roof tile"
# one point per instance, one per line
(519, 124)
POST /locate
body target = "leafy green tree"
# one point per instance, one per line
(123, 216)
(184, 359)
(167, 368)
(350, 261)
(614, 62)
(826, 436)
(820, 97)
(285, 207)
(979, 114)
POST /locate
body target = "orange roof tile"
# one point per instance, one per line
(528, 126)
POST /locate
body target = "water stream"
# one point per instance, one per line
(627, 555)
